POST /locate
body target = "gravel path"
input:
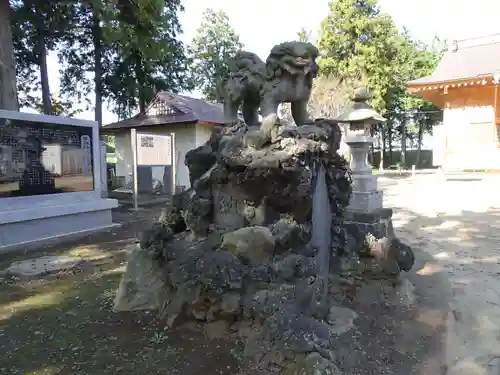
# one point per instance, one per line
(456, 225)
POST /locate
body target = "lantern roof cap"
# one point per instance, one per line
(359, 110)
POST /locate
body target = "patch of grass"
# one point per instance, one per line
(63, 324)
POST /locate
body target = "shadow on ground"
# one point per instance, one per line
(63, 324)
(399, 331)
(464, 248)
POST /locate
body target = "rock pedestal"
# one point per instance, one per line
(249, 243)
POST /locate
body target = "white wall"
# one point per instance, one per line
(203, 132)
(471, 138)
(187, 137)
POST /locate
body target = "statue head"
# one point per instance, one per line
(295, 58)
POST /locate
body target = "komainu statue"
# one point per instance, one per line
(262, 246)
(285, 77)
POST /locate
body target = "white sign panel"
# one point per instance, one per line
(154, 149)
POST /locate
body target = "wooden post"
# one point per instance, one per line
(133, 144)
(174, 162)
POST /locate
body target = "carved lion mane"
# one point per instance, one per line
(295, 58)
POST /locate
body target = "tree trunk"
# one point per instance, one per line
(8, 90)
(141, 83)
(97, 40)
(403, 143)
(382, 147)
(389, 143)
(42, 62)
(419, 145)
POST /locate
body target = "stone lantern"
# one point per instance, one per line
(359, 117)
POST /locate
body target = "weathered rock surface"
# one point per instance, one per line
(141, 287)
(252, 245)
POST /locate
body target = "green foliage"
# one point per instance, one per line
(147, 56)
(139, 53)
(37, 27)
(126, 51)
(76, 51)
(421, 61)
(214, 45)
(59, 108)
(110, 143)
(123, 51)
(358, 40)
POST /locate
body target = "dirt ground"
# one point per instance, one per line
(63, 324)
(456, 222)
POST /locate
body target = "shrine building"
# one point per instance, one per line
(465, 84)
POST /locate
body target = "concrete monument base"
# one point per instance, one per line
(27, 227)
(39, 212)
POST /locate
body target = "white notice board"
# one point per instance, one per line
(154, 149)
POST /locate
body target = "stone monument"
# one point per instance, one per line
(260, 238)
(46, 198)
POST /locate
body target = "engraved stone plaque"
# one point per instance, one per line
(227, 209)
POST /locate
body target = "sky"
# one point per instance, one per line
(261, 24)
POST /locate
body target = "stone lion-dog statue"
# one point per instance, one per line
(285, 77)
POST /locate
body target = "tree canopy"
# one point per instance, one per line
(124, 52)
(214, 44)
(358, 40)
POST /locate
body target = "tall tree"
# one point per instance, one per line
(214, 45)
(357, 39)
(123, 52)
(423, 60)
(85, 50)
(37, 27)
(147, 56)
(8, 91)
(59, 108)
